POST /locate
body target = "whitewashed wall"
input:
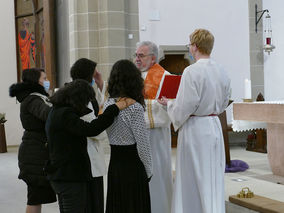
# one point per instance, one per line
(8, 73)
(226, 19)
(273, 63)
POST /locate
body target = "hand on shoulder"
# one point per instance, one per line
(123, 103)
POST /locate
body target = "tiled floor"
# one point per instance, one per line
(258, 178)
(12, 190)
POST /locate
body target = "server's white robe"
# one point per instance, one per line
(199, 182)
(160, 140)
(95, 148)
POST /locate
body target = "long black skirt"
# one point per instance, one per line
(128, 189)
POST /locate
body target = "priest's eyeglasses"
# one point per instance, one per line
(135, 55)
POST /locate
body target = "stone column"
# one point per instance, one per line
(103, 30)
(256, 50)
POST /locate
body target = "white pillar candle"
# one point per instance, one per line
(247, 89)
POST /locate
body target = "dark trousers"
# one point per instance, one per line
(72, 196)
(95, 196)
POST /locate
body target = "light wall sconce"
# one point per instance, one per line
(256, 16)
(268, 46)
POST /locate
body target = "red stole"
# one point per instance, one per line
(152, 81)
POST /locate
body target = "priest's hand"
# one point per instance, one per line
(163, 101)
(98, 79)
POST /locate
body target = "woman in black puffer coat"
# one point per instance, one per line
(33, 151)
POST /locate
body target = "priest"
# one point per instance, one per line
(158, 122)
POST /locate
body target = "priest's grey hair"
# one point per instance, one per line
(153, 49)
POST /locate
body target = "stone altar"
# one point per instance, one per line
(271, 113)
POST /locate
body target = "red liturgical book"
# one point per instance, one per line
(170, 86)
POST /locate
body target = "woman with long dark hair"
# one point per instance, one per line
(130, 167)
(33, 152)
(69, 168)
